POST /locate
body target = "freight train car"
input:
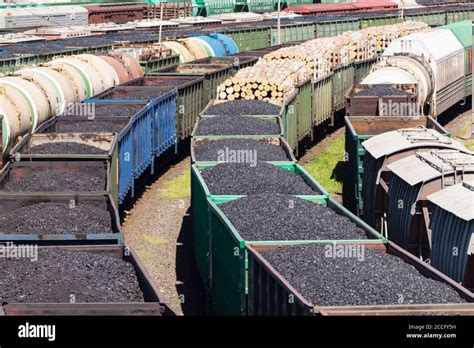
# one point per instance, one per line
(146, 117)
(342, 8)
(34, 95)
(116, 13)
(438, 62)
(451, 225)
(61, 16)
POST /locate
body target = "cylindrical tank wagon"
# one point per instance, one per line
(437, 62)
(16, 116)
(33, 95)
(63, 89)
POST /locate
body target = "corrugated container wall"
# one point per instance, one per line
(440, 48)
(452, 228)
(412, 179)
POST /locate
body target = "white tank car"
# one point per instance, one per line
(434, 60)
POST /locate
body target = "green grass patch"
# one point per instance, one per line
(327, 167)
(177, 188)
(464, 129)
(469, 144)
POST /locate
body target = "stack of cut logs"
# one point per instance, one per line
(267, 81)
(385, 34)
(277, 74)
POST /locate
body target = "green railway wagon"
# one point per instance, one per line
(250, 38)
(269, 290)
(362, 68)
(289, 121)
(17, 62)
(342, 80)
(298, 118)
(189, 99)
(292, 33)
(463, 32)
(433, 19)
(336, 27)
(259, 5)
(237, 63)
(212, 7)
(375, 21)
(98, 49)
(304, 122)
(322, 107)
(197, 142)
(214, 75)
(67, 51)
(297, 2)
(199, 192)
(199, 211)
(459, 15)
(159, 63)
(229, 257)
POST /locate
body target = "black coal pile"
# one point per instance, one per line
(236, 125)
(102, 109)
(57, 275)
(107, 39)
(37, 47)
(250, 179)
(6, 54)
(170, 83)
(284, 217)
(364, 278)
(145, 94)
(64, 147)
(56, 218)
(52, 180)
(243, 108)
(381, 91)
(92, 127)
(222, 150)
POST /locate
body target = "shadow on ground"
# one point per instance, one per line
(338, 171)
(190, 287)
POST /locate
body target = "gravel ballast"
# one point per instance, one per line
(52, 180)
(56, 218)
(92, 127)
(381, 91)
(58, 275)
(243, 107)
(266, 217)
(246, 179)
(375, 279)
(64, 147)
(236, 125)
(263, 151)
